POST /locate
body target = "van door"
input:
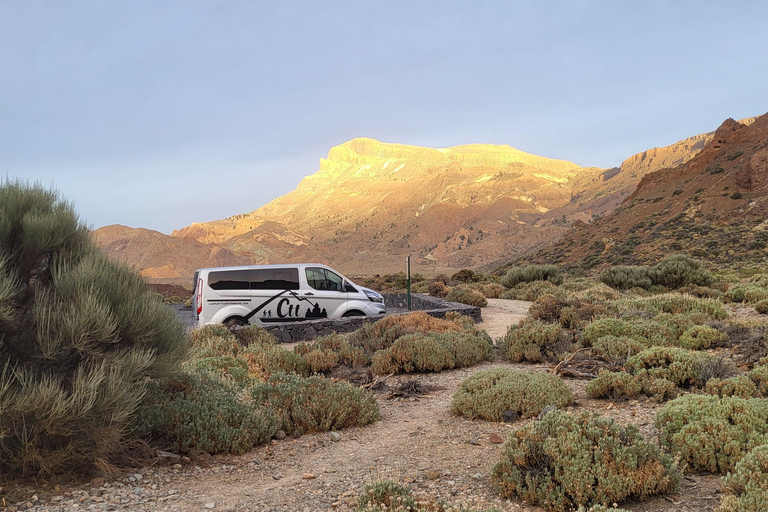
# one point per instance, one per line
(325, 296)
(274, 295)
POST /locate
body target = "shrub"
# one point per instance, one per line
(489, 290)
(530, 273)
(531, 340)
(711, 433)
(700, 337)
(266, 360)
(746, 489)
(675, 303)
(80, 335)
(679, 270)
(760, 377)
(487, 394)
(761, 307)
(564, 461)
(213, 341)
(203, 412)
(741, 386)
(616, 349)
(315, 404)
(253, 334)
(529, 291)
(386, 495)
(605, 327)
(736, 293)
(329, 351)
(382, 334)
(678, 365)
(437, 289)
(613, 385)
(625, 277)
(571, 314)
(432, 353)
(703, 292)
(466, 295)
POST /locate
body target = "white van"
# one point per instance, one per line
(267, 294)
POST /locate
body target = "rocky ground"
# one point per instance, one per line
(416, 442)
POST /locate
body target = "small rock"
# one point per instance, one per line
(97, 482)
(210, 505)
(496, 438)
(277, 477)
(138, 476)
(433, 474)
(509, 416)
(186, 460)
(307, 476)
(280, 434)
(474, 441)
(168, 456)
(548, 409)
(477, 476)
(335, 437)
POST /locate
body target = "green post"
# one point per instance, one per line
(408, 281)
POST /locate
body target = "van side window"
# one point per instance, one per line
(323, 279)
(275, 279)
(229, 280)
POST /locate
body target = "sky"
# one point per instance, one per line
(161, 113)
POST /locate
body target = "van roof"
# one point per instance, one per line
(283, 265)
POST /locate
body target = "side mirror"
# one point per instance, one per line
(348, 288)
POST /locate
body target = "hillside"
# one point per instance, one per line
(371, 204)
(713, 207)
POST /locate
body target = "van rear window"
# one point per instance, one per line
(275, 279)
(229, 280)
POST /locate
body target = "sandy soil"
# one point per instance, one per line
(416, 442)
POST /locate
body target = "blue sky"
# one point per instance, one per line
(158, 114)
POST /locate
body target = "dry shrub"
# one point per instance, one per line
(746, 489)
(266, 360)
(533, 341)
(530, 291)
(741, 386)
(433, 352)
(382, 334)
(613, 385)
(467, 296)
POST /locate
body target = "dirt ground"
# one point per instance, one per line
(416, 442)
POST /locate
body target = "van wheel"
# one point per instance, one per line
(352, 312)
(235, 321)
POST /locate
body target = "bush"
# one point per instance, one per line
(267, 360)
(564, 461)
(761, 307)
(433, 352)
(679, 270)
(80, 336)
(530, 273)
(625, 277)
(760, 377)
(487, 394)
(529, 291)
(701, 336)
(711, 433)
(605, 327)
(200, 411)
(315, 404)
(616, 349)
(466, 295)
(675, 303)
(571, 314)
(383, 334)
(329, 351)
(213, 341)
(678, 365)
(746, 489)
(386, 495)
(753, 295)
(531, 340)
(253, 334)
(741, 386)
(613, 385)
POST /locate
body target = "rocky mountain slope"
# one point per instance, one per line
(371, 204)
(713, 207)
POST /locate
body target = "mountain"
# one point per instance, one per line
(371, 204)
(713, 206)
(161, 257)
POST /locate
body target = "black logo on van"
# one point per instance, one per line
(287, 312)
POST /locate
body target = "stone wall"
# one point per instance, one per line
(309, 330)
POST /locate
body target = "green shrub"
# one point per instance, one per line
(383, 334)
(253, 334)
(529, 291)
(432, 353)
(213, 341)
(601, 508)
(315, 404)
(753, 295)
(267, 360)
(487, 394)
(564, 461)
(571, 314)
(675, 303)
(625, 277)
(736, 293)
(761, 307)
(746, 489)
(701, 336)
(331, 350)
(679, 270)
(489, 290)
(616, 349)
(760, 377)
(80, 335)
(530, 273)
(678, 365)
(229, 368)
(703, 292)
(466, 295)
(711, 433)
(605, 327)
(613, 385)
(741, 386)
(386, 495)
(659, 389)
(532, 341)
(200, 411)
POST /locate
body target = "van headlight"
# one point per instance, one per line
(374, 297)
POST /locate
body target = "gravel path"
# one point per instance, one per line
(416, 442)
